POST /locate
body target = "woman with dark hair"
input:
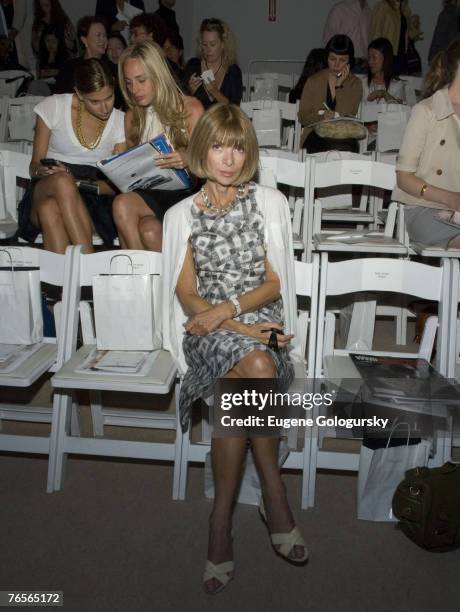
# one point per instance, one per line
(330, 93)
(69, 199)
(427, 168)
(173, 49)
(381, 83)
(50, 14)
(391, 19)
(116, 44)
(52, 53)
(214, 76)
(316, 61)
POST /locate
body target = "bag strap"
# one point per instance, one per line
(395, 426)
(121, 255)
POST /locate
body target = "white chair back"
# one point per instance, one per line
(414, 87)
(21, 117)
(13, 166)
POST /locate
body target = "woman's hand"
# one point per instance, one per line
(262, 333)
(194, 83)
(41, 171)
(378, 94)
(205, 322)
(344, 74)
(176, 160)
(329, 114)
(212, 88)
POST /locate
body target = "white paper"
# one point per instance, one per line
(129, 363)
(18, 353)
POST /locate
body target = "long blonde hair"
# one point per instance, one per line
(225, 35)
(168, 99)
(443, 68)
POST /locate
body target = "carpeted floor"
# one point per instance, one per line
(114, 540)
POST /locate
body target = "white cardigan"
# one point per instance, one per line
(278, 241)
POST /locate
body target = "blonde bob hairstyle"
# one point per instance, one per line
(226, 125)
(225, 35)
(168, 99)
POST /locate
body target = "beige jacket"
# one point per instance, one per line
(314, 95)
(385, 21)
(431, 148)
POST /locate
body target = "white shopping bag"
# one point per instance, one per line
(357, 323)
(21, 319)
(381, 471)
(267, 125)
(124, 311)
(391, 127)
(250, 490)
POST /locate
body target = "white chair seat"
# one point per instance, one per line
(30, 370)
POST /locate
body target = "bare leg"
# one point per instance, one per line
(47, 216)
(61, 186)
(151, 232)
(128, 209)
(454, 243)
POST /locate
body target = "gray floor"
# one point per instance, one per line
(114, 540)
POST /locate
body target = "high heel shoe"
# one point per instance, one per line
(285, 541)
(222, 572)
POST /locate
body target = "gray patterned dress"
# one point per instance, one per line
(229, 255)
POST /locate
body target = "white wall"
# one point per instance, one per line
(298, 28)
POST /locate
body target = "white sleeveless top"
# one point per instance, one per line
(153, 126)
(64, 145)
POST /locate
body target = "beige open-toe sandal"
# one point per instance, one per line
(222, 572)
(283, 543)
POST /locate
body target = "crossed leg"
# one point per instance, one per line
(137, 225)
(59, 211)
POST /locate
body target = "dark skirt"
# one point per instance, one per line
(316, 144)
(99, 209)
(160, 200)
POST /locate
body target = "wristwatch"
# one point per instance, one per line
(236, 303)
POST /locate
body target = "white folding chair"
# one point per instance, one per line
(413, 87)
(270, 86)
(21, 117)
(284, 130)
(303, 355)
(281, 169)
(11, 81)
(380, 276)
(14, 173)
(55, 270)
(159, 379)
(391, 125)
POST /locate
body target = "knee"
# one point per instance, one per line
(63, 183)
(48, 213)
(121, 208)
(259, 364)
(151, 233)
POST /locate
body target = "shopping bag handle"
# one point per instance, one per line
(396, 424)
(121, 255)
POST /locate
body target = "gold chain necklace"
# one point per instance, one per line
(221, 211)
(79, 131)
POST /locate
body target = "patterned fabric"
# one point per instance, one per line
(229, 256)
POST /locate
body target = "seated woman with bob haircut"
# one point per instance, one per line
(230, 310)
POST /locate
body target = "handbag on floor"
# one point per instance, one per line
(427, 504)
(380, 472)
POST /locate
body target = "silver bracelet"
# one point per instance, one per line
(236, 303)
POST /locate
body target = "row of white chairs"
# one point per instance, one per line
(315, 340)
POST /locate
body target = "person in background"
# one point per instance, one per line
(74, 131)
(156, 106)
(92, 39)
(116, 44)
(391, 19)
(428, 180)
(330, 92)
(52, 53)
(152, 27)
(108, 9)
(228, 270)
(381, 84)
(167, 13)
(217, 55)
(21, 31)
(174, 53)
(8, 58)
(315, 62)
(447, 27)
(350, 17)
(50, 14)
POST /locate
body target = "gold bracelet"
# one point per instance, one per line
(423, 189)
